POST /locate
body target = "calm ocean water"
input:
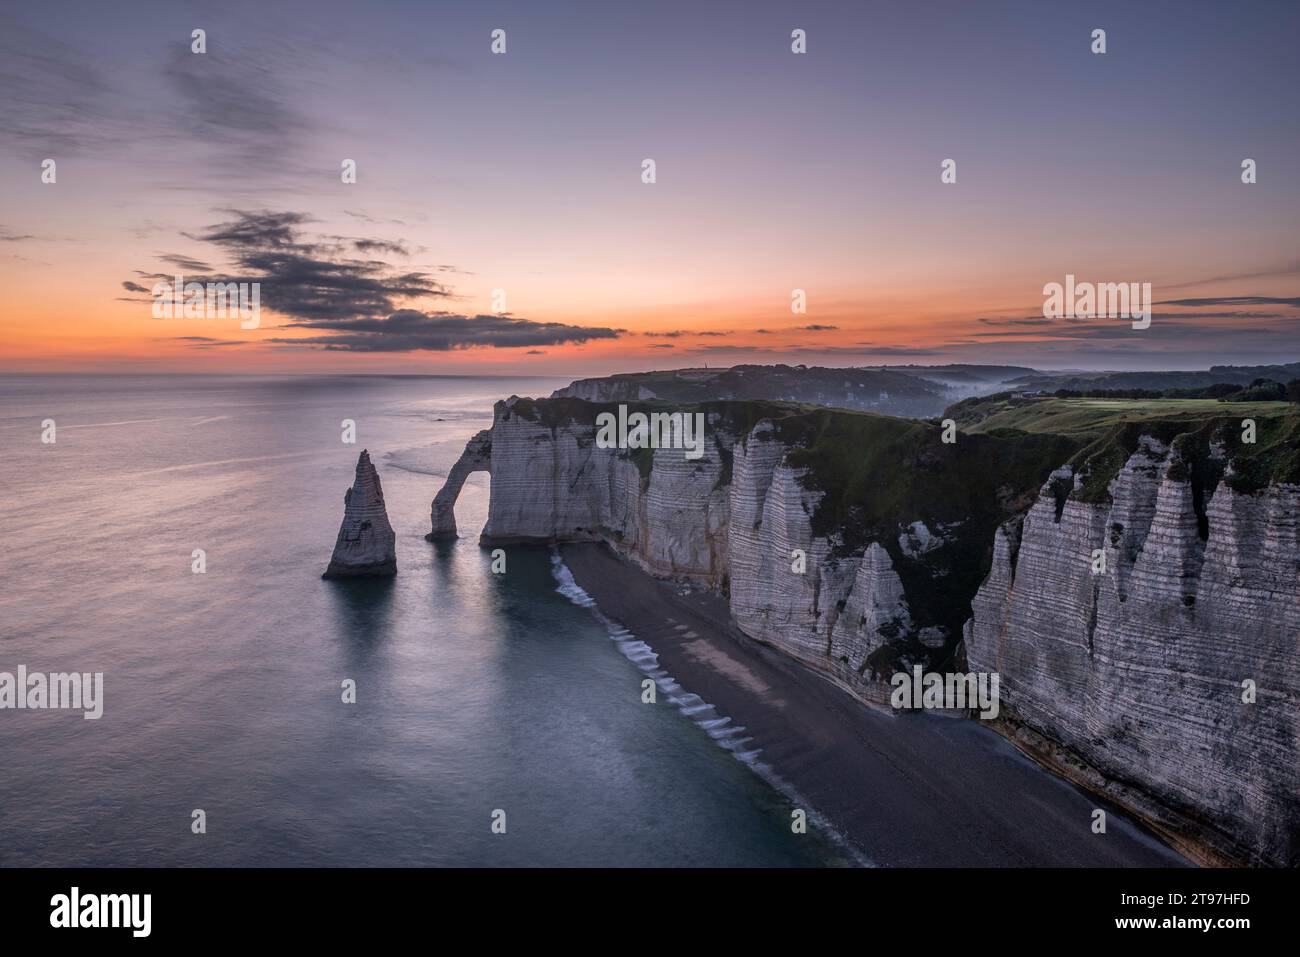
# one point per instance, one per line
(222, 690)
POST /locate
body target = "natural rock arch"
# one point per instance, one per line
(477, 457)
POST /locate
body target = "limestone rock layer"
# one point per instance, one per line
(1174, 670)
(366, 544)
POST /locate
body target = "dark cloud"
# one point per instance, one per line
(679, 333)
(186, 262)
(367, 218)
(397, 248)
(663, 345)
(309, 280)
(1233, 301)
(410, 330)
(787, 329)
(1026, 321)
(356, 305)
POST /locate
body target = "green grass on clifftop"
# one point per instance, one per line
(1113, 428)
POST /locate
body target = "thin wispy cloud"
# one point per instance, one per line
(1234, 301)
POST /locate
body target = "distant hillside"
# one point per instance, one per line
(965, 378)
(875, 390)
(1215, 375)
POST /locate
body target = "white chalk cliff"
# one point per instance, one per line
(366, 544)
(1130, 680)
(1143, 671)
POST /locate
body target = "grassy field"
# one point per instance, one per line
(1112, 428)
(1077, 416)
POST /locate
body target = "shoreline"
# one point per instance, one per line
(915, 789)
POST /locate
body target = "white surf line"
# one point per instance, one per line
(717, 726)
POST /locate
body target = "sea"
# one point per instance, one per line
(171, 537)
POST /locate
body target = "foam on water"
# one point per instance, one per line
(704, 715)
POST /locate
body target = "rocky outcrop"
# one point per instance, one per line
(366, 544)
(793, 589)
(550, 484)
(477, 457)
(1169, 676)
(861, 545)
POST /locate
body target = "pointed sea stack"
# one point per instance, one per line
(366, 543)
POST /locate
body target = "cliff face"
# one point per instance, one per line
(861, 545)
(366, 544)
(1138, 669)
(840, 609)
(553, 483)
(751, 519)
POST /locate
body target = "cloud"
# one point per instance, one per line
(185, 262)
(1162, 329)
(1027, 321)
(679, 333)
(809, 328)
(239, 105)
(1284, 268)
(54, 99)
(371, 220)
(356, 305)
(231, 111)
(207, 342)
(1234, 301)
(301, 279)
(410, 330)
(397, 248)
(866, 350)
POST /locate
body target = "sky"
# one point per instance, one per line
(499, 222)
